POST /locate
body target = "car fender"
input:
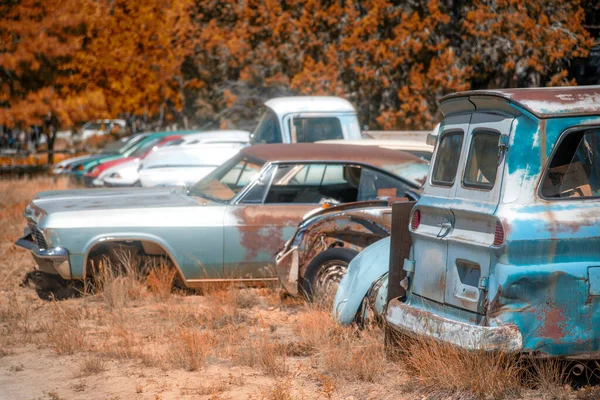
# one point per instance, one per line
(369, 267)
(129, 236)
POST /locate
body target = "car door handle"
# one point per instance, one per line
(445, 228)
(445, 225)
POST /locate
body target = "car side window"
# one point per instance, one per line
(267, 130)
(314, 183)
(374, 184)
(482, 163)
(447, 158)
(574, 171)
(309, 130)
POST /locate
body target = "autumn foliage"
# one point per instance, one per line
(215, 61)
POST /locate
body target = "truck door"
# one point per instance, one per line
(476, 199)
(430, 239)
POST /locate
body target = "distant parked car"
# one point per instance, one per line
(99, 127)
(78, 169)
(184, 165)
(178, 161)
(117, 147)
(92, 178)
(227, 226)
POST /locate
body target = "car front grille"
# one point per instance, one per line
(38, 236)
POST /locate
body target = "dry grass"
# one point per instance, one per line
(15, 314)
(442, 369)
(120, 281)
(91, 365)
(190, 348)
(63, 331)
(160, 281)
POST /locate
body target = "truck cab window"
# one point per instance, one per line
(309, 130)
(575, 167)
(267, 130)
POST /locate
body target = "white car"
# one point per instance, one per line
(184, 165)
(98, 127)
(126, 174)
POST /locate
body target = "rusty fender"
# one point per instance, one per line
(348, 228)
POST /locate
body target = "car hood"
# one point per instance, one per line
(112, 199)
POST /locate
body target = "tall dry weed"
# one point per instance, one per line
(190, 348)
(15, 314)
(119, 282)
(64, 333)
(264, 351)
(160, 281)
(446, 370)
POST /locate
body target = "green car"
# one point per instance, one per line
(78, 169)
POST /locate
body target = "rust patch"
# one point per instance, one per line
(261, 227)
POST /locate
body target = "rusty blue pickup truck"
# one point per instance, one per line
(505, 250)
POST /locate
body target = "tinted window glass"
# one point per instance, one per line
(482, 163)
(310, 183)
(310, 130)
(446, 160)
(267, 130)
(575, 167)
(374, 184)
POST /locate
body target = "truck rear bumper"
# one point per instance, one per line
(413, 321)
(52, 261)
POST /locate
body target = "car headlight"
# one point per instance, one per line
(95, 171)
(115, 175)
(81, 168)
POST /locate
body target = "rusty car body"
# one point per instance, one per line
(506, 235)
(315, 259)
(228, 226)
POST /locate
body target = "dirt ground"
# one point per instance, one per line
(133, 338)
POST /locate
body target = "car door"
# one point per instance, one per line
(475, 202)
(268, 212)
(430, 243)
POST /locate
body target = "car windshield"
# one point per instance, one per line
(144, 148)
(134, 142)
(225, 182)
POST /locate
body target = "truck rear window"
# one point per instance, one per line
(447, 158)
(482, 163)
(574, 171)
(309, 130)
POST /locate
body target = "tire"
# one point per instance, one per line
(325, 272)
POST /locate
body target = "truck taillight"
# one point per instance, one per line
(415, 220)
(498, 234)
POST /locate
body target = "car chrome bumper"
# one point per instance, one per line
(287, 270)
(410, 320)
(52, 261)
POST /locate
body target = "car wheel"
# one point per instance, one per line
(325, 272)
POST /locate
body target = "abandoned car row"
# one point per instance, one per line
(492, 245)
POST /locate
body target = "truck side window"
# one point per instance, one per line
(575, 167)
(482, 163)
(447, 158)
(309, 130)
(267, 130)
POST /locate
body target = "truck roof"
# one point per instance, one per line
(317, 104)
(544, 102)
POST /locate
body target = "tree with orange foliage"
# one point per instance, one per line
(133, 54)
(36, 40)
